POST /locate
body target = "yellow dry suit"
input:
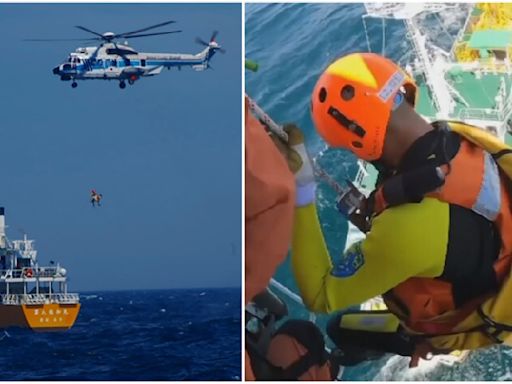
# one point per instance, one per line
(442, 263)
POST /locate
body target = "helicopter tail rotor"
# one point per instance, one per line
(212, 44)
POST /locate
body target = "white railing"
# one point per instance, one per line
(480, 114)
(55, 298)
(29, 272)
(65, 298)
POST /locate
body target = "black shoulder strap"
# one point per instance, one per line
(413, 182)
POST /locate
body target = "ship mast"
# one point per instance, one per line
(433, 70)
(3, 239)
(434, 74)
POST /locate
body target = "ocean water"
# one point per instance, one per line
(293, 44)
(134, 335)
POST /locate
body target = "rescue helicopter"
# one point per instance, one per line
(115, 61)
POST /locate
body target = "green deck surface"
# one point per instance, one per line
(476, 11)
(425, 104)
(478, 93)
(368, 183)
(490, 39)
(508, 139)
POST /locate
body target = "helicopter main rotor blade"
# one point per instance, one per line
(88, 30)
(201, 41)
(124, 34)
(84, 39)
(214, 35)
(150, 34)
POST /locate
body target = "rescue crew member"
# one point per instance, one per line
(439, 225)
(294, 350)
(96, 198)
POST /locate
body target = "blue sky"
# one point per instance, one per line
(165, 152)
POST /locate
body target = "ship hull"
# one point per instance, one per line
(40, 317)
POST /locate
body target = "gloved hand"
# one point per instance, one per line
(299, 163)
(424, 350)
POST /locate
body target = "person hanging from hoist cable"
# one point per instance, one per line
(96, 198)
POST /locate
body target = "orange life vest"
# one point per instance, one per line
(269, 208)
(474, 181)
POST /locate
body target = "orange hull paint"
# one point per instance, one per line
(42, 318)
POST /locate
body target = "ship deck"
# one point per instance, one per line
(479, 93)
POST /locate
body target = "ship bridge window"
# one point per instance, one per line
(21, 263)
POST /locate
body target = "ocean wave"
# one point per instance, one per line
(138, 343)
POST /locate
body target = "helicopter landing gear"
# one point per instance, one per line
(122, 85)
(131, 82)
(74, 84)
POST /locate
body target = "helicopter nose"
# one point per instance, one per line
(56, 70)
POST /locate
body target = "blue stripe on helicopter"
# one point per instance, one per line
(134, 63)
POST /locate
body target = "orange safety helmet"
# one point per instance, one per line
(353, 99)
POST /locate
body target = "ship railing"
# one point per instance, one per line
(41, 298)
(30, 272)
(483, 66)
(480, 114)
(65, 298)
(16, 299)
(45, 271)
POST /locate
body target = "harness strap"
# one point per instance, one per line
(491, 328)
(262, 368)
(310, 337)
(411, 185)
(501, 153)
